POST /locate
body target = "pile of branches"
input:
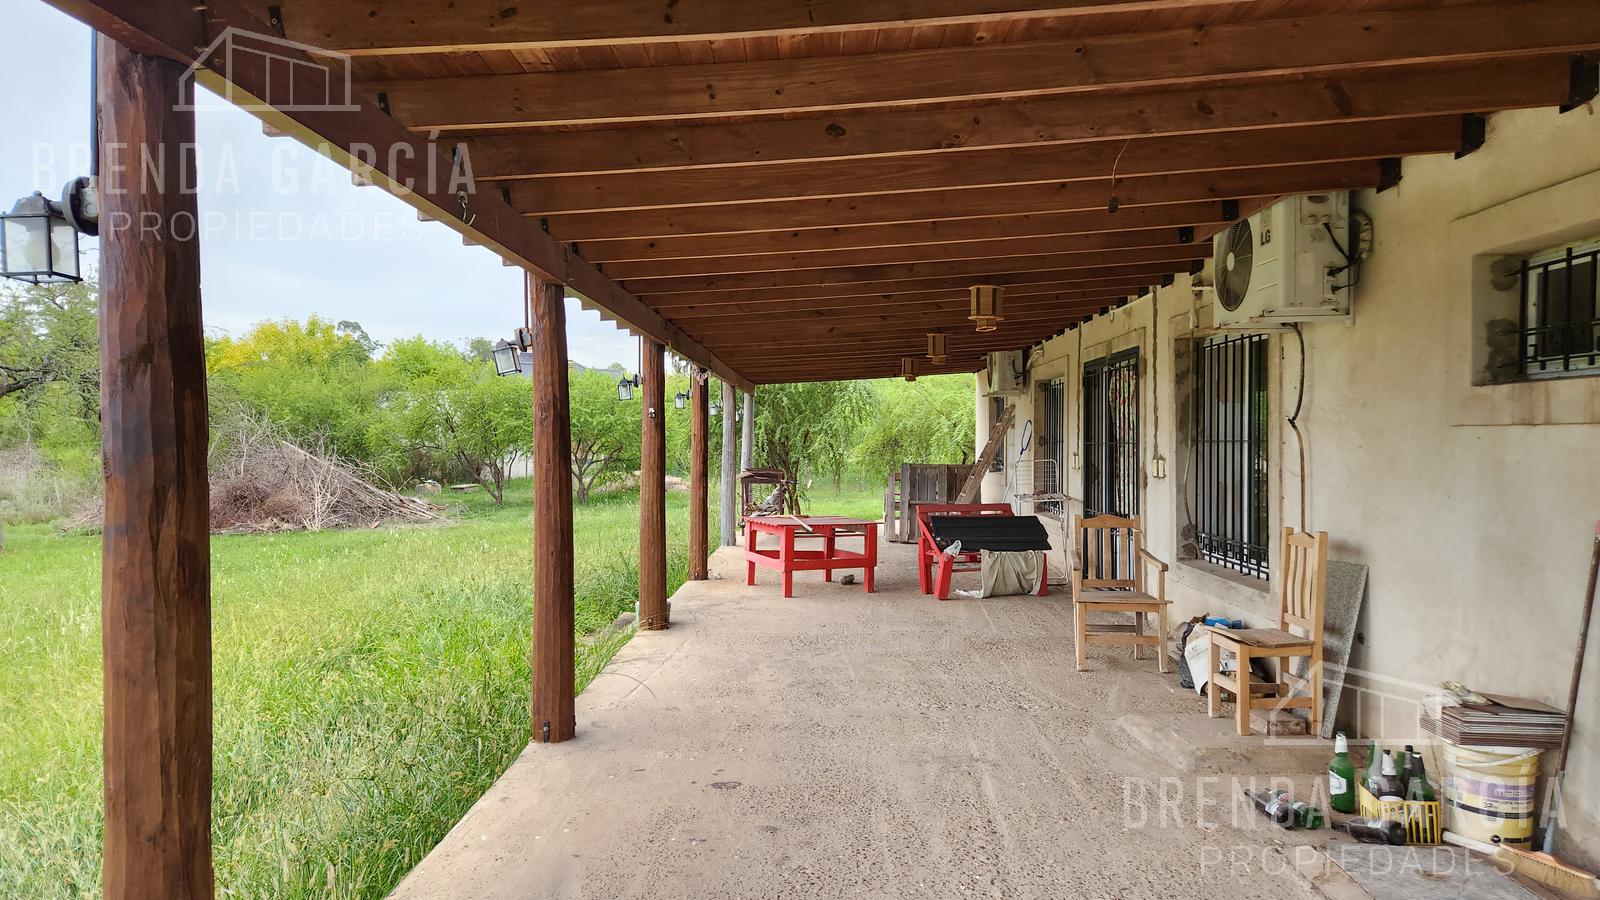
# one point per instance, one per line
(262, 483)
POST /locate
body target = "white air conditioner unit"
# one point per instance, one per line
(1006, 373)
(1284, 264)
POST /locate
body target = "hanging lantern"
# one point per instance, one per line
(506, 358)
(988, 306)
(936, 348)
(37, 243)
(715, 409)
(625, 386)
(908, 368)
(680, 399)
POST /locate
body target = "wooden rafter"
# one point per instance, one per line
(923, 206)
(1269, 48)
(1091, 161)
(1319, 98)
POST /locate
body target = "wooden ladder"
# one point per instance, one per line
(997, 440)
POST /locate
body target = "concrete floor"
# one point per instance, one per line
(844, 744)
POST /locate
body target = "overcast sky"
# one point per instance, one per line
(287, 235)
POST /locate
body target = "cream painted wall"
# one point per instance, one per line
(1473, 506)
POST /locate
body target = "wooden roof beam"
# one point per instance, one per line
(924, 206)
(1489, 30)
(1111, 245)
(1088, 264)
(418, 26)
(828, 308)
(409, 169)
(951, 322)
(867, 291)
(802, 244)
(1319, 98)
(1051, 163)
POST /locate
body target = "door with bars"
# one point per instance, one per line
(1111, 435)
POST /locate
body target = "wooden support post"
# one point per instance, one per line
(554, 718)
(730, 468)
(699, 438)
(748, 451)
(652, 488)
(156, 570)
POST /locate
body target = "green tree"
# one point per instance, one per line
(807, 429)
(930, 420)
(605, 430)
(49, 336)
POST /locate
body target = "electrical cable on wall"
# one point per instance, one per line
(1294, 419)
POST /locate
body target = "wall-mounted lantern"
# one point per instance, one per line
(716, 408)
(39, 237)
(988, 306)
(680, 399)
(937, 351)
(625, 386)
(506, 358)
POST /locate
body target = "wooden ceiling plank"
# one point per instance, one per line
(1326, 98)
(923, 206)
(921, 253)
(1275, 47)
(799, 245)
(1087, 263)
(1051, 163)
(821, 309)
(1078, 279)
(417, 26)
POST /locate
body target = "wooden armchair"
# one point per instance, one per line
(1305, 562)
(1111, 575)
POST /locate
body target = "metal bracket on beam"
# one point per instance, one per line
(1230, 210)
(1196, 266)
(1186, 234)
(1583, 84)
(383, 102)
(275, 19)
(544, 224)
(1389, 173)
(1474, 129)
(574, 248)
(1166, 280)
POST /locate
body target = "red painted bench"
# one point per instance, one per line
(934, 566)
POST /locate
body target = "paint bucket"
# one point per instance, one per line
(1489, 792)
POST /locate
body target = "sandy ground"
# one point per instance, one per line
(842, 744)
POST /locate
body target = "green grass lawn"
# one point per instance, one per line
(369, 686)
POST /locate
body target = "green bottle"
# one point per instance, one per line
(1341, 777)
(1419, 789)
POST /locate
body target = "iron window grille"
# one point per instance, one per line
(1230, 467)
(1560, 328)
(1053, 439)
(997, 411)
(1111, 435)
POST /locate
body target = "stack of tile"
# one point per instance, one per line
(1503, 722)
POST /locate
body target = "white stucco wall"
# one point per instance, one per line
(1473, 505)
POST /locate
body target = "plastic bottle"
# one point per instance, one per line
(1341, 777)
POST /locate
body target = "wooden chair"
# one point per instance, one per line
(1111, 576)
(1305, 562)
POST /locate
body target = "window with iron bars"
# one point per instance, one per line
(1052, 440)
(1561, 311)
(1230, 465)
(1111, 435)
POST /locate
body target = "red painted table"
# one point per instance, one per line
(788, 559)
